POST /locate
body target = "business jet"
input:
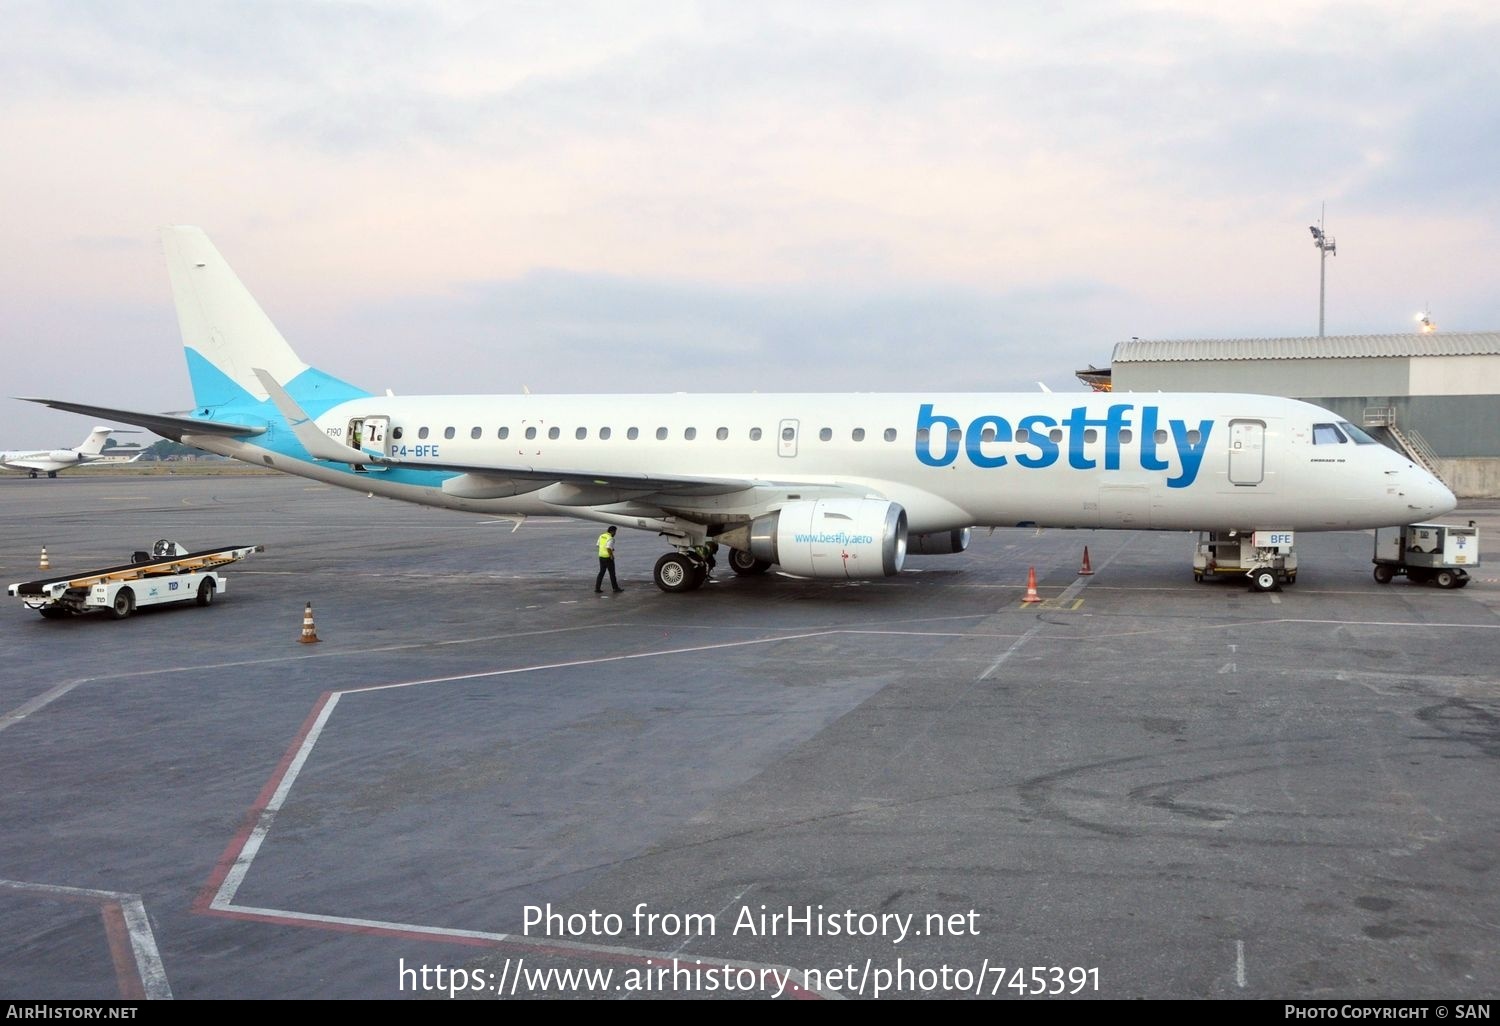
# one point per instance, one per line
(823, 486)
(49, 461)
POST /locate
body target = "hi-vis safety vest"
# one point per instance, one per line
(604, 540)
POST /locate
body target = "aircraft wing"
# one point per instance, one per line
(661, 483)
(164, 424)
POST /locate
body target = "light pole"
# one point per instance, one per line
(1326, 248)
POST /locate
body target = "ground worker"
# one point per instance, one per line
(607, 561)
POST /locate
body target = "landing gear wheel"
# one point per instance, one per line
(745, 564)
(124, 604)
(676, 573)
(1383, 574)
(1263, 580)
(206, 592)
(1444, 579)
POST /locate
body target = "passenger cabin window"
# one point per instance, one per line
(721, 434)
(1327, 434)
(755, 434)
(826, 435)
(581, 434)
(503, 433)
(1022, 434)
(475, 432)
(690, 434)
(553, 433)
(633, 434)
(604, 434)
(396, 433)
(421, 432)
(449, 432)
(988, 434)
(890, 434)
(531, 432)
(661, 434)
(858, 434)
(788, 433)
(1091, 435)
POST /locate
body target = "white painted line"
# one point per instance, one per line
(1239, 962)
(145, 955)
(1008, 652)
(236, 874)
(46, 698)
(547, 944)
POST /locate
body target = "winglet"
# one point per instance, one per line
(318, 445)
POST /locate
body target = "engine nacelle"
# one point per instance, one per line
(62, 456)
(938, 543)
(842, 538)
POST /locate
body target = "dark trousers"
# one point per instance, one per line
(606, 563)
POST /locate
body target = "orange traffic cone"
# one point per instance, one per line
(1031, 595)
(309, 632)
(1085, 570)
(45, 565)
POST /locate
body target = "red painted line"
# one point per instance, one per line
(122, 952)
(252, 815)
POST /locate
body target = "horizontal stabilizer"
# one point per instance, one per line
(318, 445)
(163, 424)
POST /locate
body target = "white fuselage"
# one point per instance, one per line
(1123, 460)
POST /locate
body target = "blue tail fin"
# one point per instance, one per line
(227, 336)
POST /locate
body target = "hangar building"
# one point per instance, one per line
(1434, 396)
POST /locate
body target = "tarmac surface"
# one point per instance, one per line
(483, 776)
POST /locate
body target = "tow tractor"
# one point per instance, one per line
(1265, 558)
(1437, 554)
(167, 573)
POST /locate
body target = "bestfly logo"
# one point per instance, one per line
(940, 439)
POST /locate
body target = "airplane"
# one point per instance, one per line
(829, 486)
(50, 461)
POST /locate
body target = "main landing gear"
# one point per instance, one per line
(686, 570)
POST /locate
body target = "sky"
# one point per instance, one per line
(663, 195)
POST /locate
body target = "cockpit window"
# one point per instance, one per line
(1358, 434)
(1327, 434)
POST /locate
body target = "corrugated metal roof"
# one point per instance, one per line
(1439, 343)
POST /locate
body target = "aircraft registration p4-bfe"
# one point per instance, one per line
(825, 486)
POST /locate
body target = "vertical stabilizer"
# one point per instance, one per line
(222, 324)
(93, 445)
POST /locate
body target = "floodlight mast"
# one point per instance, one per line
(1326, 248)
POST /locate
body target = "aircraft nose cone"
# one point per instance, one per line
(1433, 497)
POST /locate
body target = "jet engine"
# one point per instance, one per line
(938, 543)
(840, 538)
